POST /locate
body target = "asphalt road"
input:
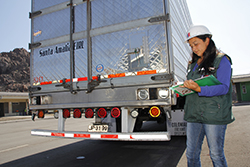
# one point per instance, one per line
(237, 141)
(19, 148)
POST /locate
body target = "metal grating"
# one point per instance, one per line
(111, 12)
(42, 4)
(138, 49)
(53, 63)
(113, 50)
(52, 25)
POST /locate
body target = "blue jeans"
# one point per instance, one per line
(215, 135)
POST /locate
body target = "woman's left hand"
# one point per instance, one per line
(190, 84)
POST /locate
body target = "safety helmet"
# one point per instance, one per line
(197, 30)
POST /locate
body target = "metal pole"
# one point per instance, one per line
(166, 8)
(89, 43)
(61, 121)
(72, 56)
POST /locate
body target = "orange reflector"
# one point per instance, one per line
(95, 78)
(46, 83)
(115, 112)
(89, 113)
(116, 75)
(40, 114)
(82, 79)
(146, 72)
(66, 113)
(154, 111)
(77, 113)
(102, 113)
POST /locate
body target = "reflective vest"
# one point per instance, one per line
(208, 110)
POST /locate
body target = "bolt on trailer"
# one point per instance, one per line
(110, 61)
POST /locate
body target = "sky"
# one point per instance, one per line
(228, 20)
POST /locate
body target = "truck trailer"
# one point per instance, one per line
(110, 61)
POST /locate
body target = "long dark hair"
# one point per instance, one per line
(208, 56)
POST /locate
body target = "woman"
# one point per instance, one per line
(209, 110)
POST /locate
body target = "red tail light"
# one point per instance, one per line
(154, 111)
(102, 113)
(89, 113)
(77, 113)
(115, 112)
(66, 113)
(40, 114)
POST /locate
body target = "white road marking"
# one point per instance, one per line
(13, 148)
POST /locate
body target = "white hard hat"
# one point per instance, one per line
(197, 30)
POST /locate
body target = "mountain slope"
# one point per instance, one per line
(15, 70)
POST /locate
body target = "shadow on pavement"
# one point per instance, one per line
(90, 153)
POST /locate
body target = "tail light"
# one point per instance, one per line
(40, 114)
(89, 113)
(66, 113)
(102, 113)
(154, 112)
(115, 112)
(77, 113)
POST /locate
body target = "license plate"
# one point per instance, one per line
(98, 128)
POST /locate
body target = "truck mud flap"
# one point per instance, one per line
(143, 136)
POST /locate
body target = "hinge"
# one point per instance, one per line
(94, 83)
(159, 18)
(35, 14)
(64, 84)
(71, 4)
(34, 45)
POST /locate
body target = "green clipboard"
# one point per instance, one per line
(209, 80)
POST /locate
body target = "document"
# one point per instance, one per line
(209, 80)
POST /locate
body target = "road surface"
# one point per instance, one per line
(19, 148)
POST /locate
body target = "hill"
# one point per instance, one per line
(15, 70)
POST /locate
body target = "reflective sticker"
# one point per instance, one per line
(99, 68)
(37, 33)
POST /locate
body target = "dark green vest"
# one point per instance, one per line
(208, 110)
